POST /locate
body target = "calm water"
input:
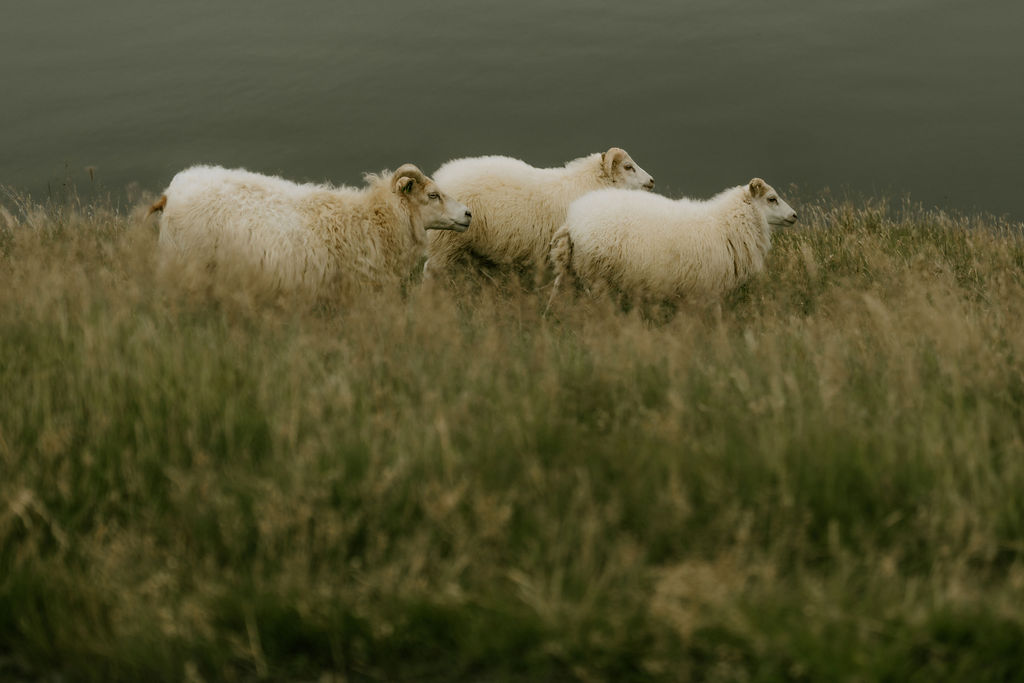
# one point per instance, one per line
(874, 97)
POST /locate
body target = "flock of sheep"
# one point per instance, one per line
(593, 221)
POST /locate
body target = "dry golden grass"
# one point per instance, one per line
(826, 483)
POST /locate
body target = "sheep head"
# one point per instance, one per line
(429, 208)
(776, 211)
(620, 169)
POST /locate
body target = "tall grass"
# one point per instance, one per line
(825, 483)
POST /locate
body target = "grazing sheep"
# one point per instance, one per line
(516, 207)
(300, 238)
(652, 249)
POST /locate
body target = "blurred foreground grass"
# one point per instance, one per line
(825, 484)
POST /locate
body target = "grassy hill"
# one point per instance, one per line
(825, 483)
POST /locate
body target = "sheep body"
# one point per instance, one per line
(651, 248)
(517, 207)
(299, 237)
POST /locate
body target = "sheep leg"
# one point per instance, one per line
(560, 255)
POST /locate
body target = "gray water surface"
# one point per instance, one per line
(873, 97)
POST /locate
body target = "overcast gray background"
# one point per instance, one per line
(876, 97)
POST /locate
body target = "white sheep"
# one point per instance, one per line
(652, 249)
(304, 238)
(516, 207)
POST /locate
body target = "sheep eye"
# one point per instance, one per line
(628, 167)
(434, 195)
(773, 200)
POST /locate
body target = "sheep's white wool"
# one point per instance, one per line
(651, 248)
(291, 237)
(516, 207)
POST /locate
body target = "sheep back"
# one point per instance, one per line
(654, 248)
(516, 207)
(283, 235)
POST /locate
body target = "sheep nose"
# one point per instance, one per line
(469, 214)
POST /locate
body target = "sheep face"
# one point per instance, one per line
(774, 208)
(620, 168)
(436, 211)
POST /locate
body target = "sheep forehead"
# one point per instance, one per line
(423, 190)
(772, 193)
(629, 160)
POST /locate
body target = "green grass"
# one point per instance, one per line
(826, 483)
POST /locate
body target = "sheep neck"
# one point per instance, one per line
(390, 227)
(748, 239)
(581, 176)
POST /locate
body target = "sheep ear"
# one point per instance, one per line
(405, 184)
(757, 187)
(407, 173)
(612, 158)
